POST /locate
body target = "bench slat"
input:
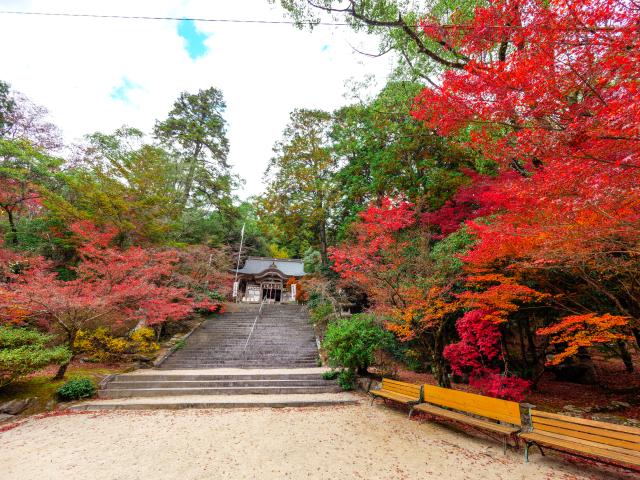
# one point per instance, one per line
(599, 435)
(585, 421)
(391, 393)
(568, 444)
(461, 417)
(394, 396)
(489, 407)
(406, 391)
(584, 441)
(402, 387)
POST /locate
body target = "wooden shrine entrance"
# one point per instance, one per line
(271, 292)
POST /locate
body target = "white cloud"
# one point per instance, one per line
(72, 66)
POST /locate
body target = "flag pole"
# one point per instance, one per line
(235, 281)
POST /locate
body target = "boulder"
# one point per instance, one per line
(4, 417)
(572, 410)
(14, 407)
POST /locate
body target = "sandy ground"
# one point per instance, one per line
(346, 442)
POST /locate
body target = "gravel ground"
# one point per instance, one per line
(344, 442)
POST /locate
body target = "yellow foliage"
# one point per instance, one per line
(104, 347)
(277, 252)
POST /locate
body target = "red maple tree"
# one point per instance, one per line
(549, 92)
(111, 287)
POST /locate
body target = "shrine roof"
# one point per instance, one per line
(292, 267)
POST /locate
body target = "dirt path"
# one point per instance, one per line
(335, 443)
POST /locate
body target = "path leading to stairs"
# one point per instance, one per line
(349, 442)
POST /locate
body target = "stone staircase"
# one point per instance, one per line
(218, 368)
(200, 383)
(282, 338)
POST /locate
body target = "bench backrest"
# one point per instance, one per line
(408, 389)
(589, 432)
(488, 407)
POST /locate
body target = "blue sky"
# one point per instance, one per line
(122, 91)
(194, 39)
(111, 73)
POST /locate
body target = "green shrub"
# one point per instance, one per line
(315, 299)
(351, 342)
(24, 351)
(330, 375)
(76, 389)
(321, 313)
(347, 379)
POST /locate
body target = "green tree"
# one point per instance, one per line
(123, 182)
(7, 105)
(24, 351)
(297, 206)
(385, 152)
(195, 130)
(27, 176)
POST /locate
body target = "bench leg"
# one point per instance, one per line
(373, 399)
(504, 445)
(410, 412)
(527, 445)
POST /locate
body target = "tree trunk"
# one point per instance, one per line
(188, 183)
(323, 244)
(625, 356)
(440, 372)
(61, 371)
(439, 362)
(636, 334)
(71, 338)
(12, 226)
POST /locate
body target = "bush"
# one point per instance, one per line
(351, 342)
(321, 313)
(330, 375)
(24, 351)
(347, 379)
(102, 346)
(76, 389)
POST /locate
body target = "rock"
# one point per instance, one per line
(620, 405)
(362, 383)
(609, 419)
(51, 405)
(14, 407)
(4, 417)
(572, 409)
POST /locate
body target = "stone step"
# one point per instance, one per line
(239, 364)
(200, 377)
(216, 383)
(220, 401)
(156, 392)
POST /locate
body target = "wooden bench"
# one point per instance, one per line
(498, 416)
(583, 437)
(408, 393)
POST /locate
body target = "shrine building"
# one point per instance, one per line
(265, 279)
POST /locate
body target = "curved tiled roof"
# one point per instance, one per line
(292, 267)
